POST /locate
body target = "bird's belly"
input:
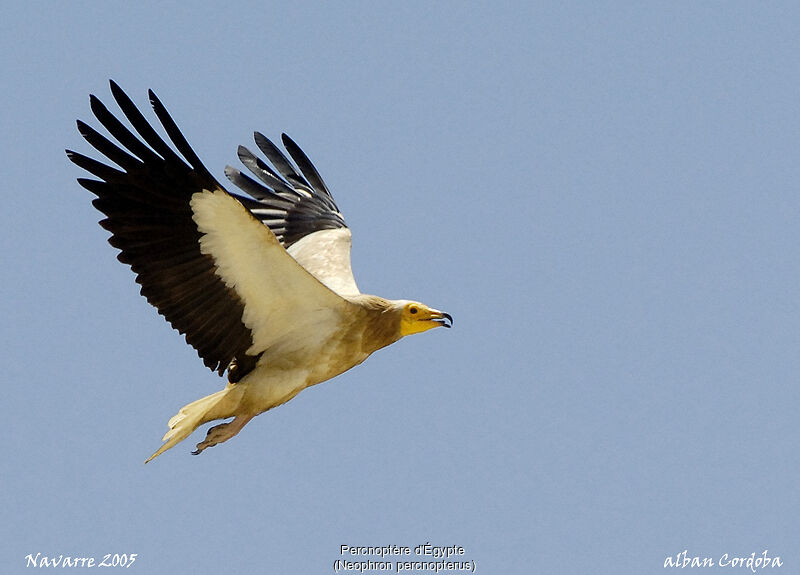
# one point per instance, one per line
(266, 388)
(276, 381)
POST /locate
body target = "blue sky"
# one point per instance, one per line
(604, 198)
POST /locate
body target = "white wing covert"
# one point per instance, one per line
(294, 202)
(202, 259)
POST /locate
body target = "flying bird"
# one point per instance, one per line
(260, 286)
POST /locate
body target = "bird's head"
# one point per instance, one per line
(416, 317)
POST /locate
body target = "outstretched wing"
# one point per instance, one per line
(297, 206)
(210, 268)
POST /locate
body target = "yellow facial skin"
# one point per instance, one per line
(417, 317)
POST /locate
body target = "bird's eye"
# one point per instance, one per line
(412, 310)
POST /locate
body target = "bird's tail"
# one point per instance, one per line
(218, 405)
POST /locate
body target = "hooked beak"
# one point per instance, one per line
(442, 318)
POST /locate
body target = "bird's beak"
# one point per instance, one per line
(442, 318)
(421, 318)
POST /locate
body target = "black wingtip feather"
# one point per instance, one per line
(280, 161)
(150, 219)
(289, 205)
(309, 171)
(178, 138)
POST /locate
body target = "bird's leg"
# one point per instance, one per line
(223, 432)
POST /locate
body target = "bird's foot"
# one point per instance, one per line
(221, 433)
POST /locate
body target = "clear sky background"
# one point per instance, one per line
(604, 197)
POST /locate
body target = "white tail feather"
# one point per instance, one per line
(218, 405)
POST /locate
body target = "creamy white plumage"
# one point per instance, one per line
(261, 287)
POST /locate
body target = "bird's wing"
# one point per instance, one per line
(210, 268)
(297, 206)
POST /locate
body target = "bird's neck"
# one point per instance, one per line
(381, 322)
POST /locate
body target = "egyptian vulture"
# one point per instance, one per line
(260, 286)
